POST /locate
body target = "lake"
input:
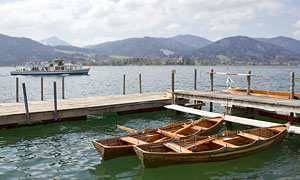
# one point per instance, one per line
(64, 150)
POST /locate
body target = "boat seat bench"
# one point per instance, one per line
(132, 140)
(177, 148)
(223, 143)
(251, 136)
(197, 128)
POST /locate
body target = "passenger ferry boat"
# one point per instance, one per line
(57, 67)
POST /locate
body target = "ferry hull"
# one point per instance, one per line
(39, 73)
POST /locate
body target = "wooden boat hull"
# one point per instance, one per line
(111, 152)
(108, 152)
(255, 92)
(40, 73)
(153, 160)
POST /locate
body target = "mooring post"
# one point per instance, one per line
(140, 82)
(292, 117)
(17, 89)
(211, 88)
(123, 84)
(63, 86)
(173, 86)
(42, 88)
(55, 101)
(248, 82)
(195, 79)
(292, 95)
(26, 103)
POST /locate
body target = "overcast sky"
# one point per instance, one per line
(85, 22)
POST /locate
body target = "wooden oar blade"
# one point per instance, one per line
(127, 129)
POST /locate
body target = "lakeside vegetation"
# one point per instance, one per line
(183, 61)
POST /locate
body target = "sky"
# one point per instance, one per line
(90, 22)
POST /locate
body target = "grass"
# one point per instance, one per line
(119, 57)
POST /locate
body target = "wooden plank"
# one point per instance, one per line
(199, 143)
(132, 140)
(177, 148)
(239, 120)
(196, 128)
(170, 134)
(251, 136)
(225, 144)
(69, 108)
(127, 129)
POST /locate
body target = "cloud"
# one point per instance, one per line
(297, 24)
(172, 26)
(260, 25)
(88, 19)
(297, 33)
(224, 27)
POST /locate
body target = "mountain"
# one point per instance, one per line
(243, 49)
(14, 50)
(285, 42)
(147, 47)
(192, 41)
(54, 41)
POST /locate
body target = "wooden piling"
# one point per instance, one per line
(248, 82)
(195, 79)
(292, 117)
(42, 88)
(292, 96)
(123, 84)
(211, 88)
(140, 82)
(173, 86)
(26, 103)
(55, 101)
(17, 89)
(63, 86)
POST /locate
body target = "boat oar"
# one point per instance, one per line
(127, 129)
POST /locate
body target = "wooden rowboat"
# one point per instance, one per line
(224, 146)
(123, 145)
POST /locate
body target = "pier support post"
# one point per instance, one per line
(173, 86)
(248, 82)
(55, 101)
(17, 89)
(195, 79)
(42, 88)
(228, 111)
(26, 103)
(292, 96)
(63, 86)
(123, 84)
(140, 82)
(211, 88)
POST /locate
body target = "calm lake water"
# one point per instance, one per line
(64, 150)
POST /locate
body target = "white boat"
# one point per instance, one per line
(57, 67)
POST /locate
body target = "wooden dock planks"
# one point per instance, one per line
(267, 103)
(67, 108)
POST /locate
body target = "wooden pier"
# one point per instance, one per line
(14, 114)
(227, 99)
(233, 119)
